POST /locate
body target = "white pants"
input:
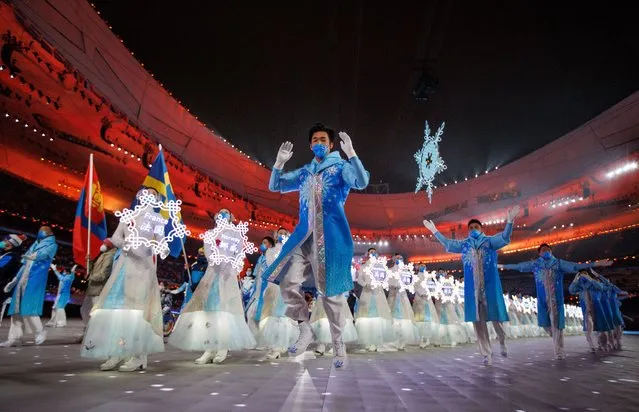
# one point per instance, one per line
(59, 318)
(299, 269)
(589, 331)
(33, 324)
(481, 330)
(557, 336)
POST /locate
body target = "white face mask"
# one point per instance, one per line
(103, 248)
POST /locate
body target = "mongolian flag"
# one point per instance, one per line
(158, 179)
(90, 228)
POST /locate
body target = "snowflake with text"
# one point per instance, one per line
(229, 243)
(429, 162)
(377, 272)
(447, 290)
(148, 228)
(405, 274)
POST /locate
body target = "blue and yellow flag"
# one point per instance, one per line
(158, 179)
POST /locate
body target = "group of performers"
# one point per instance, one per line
(124, 311)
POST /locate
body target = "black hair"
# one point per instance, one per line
(319, 127)
(281, 228)
(371, 249)
(269, 240)
(542, 245)
(471, 221)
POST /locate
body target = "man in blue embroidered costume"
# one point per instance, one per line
(483, 296)
(549, 280)
(321, 245)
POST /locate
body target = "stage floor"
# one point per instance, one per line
(53, 377)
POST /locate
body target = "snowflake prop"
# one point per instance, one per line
(526, 305)
(228, 243)
(429, 284)
(429, 162)
(406, 277)
(447, 290)
(148, 228)
(377, 272)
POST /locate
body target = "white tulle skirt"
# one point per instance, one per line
(322, 331)
(278, 332)
(452, 330)
(406, 331)
(120, 333)
(374, 331)
(201, 330)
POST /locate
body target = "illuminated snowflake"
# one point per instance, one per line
(228, 243)
(429, 162)
(527, 305)
(429, 284)
(147, 228)
(459, 285)
(377, 272)
(405, 276)
(447, 290)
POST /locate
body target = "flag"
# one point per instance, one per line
(158, 179)
(97, 226)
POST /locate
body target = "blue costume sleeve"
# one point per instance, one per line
(572, 267)
(521, 267)
(500, 240)
(354, 174)
(451, 246)
(576, 286)
(182, 288)
(58, 275)
(284, 182)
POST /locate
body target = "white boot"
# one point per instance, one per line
(401, 345)
(488, 360)
(41, 337)
(274, 354)
(133, 364)
(220, 356)
(340, 361)
(423, 343)
(504, 350)
(207, 357)
(305, 339)
(320, 349)
(10, 344)
(372, 348)
(111, 364)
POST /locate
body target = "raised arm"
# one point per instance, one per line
(573, 267)
(500, 240)
(353, 171)
(451, 246)
(280, 181)
(520, 267)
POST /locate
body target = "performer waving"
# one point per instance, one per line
(321, 244)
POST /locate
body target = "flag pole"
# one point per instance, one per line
(89, 203)
(186, 261)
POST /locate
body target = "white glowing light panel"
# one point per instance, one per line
(459, 289)
(430, 285)
(447, 290)
(151, 230)
(377, 272)
(429, 162)
(229, 243)
(527, 305)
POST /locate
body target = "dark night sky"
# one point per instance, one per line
(513, 77)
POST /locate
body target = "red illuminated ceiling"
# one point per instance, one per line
(82, 88)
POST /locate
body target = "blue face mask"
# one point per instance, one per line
(41, 235)
(281, 238)
(373, 254)
(398, 261)
(225, 215)
(546, 255)
(263, 248)
(320, 150)
(475, 233)
(422, 269)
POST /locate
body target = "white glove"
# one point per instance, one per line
(54, 267)
(430, 226)
(74, 268)
(603, 263)
(512, 214)
(284, 155)
(500, 266)
(9, 286)
(103, 248)
(347, 145)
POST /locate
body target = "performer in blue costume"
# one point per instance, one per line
(613, 296)
(549, 280)
(253, 308)
(483, 296)
(590, 292)
(321, 245)
(65, 279)
(29, 287)
(189, 283)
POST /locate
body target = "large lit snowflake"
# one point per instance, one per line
(228, 243)
(527, 305)
(429, 283)
(447, 290)
(405, 276)
(148, 228)
(429, 162)
(377, 272)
